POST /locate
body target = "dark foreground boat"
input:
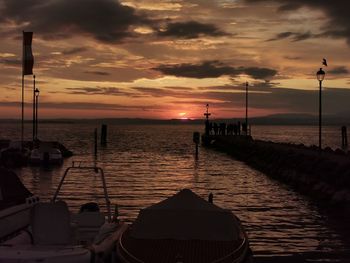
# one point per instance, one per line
(184, 228)
(50, 232)
(16, 203)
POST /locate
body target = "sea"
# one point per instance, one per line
(144, 164)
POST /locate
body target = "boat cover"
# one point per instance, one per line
(186, 216)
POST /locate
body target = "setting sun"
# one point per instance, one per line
(183, 115)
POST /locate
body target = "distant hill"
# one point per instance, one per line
(276, 119)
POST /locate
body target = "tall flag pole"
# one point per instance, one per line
(27, 68)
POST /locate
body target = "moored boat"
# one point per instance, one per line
(55, 234)
(45, 154)
(184, 228)
(16, 203)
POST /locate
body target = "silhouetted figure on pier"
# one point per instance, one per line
(216, 128)
(235, 129)
(239, 128)
(230, 129)
(222, 128)
(244, 128)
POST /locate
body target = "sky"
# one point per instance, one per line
(167, 59)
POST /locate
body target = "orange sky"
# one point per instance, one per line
(168, 59)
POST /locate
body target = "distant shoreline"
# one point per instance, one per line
(288, 119)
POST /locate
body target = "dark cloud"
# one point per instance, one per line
(113, 91)
(339, 70)
(293, 57)
(282, 35)
(134, 92)
(166, 92)
(337, 10)
(99, 73)
(73, 51)
(11, 62)
(295, 36)
(282, 99)
(214, 69)
(82, 106)
(289, 7)
(259, 73)
(208, 69)
(105, 20)
(191, 29)
(302, 36)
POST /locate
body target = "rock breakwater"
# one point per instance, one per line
(323, 175)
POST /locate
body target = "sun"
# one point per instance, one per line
(183, 115)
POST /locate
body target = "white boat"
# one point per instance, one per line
(57, 235)
(46, 154)
(184, 228)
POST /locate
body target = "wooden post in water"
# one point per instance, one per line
(344, 137)
(211, 198)
(95, 141)
(103, 134)
(196, 140)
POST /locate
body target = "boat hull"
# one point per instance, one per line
(131, 250)
(28, 254)
(16, 218)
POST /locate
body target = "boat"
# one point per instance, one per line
(184, 228)
(16, 203)
(46, 154)
(55, 234)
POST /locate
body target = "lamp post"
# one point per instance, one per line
(207, 114)
(320, 77)
(36, 92)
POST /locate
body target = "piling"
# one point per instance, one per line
(95, 141)
(103, 134)
(344, 137)
(211, 198)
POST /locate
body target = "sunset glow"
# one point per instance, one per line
(163, 57)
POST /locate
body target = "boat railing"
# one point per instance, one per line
(80, 166)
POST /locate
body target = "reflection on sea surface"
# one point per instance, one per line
(145, 164)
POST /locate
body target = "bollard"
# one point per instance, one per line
(196, 140)
(344, 137)
(103, 134)
(95, 141)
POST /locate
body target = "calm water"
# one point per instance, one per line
(145, 164)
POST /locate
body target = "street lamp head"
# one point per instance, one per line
(37, 92)
(320, 75)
